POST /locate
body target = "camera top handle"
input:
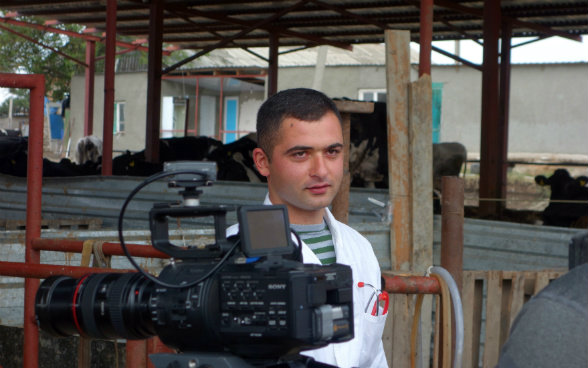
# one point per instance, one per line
(158, 223)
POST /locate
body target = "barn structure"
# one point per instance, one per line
(202, 26)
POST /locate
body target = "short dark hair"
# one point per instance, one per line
(300, 103)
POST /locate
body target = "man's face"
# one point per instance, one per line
(306, 167)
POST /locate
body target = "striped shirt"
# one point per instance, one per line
(319, 239)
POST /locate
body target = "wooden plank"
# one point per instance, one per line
(477, 320)
(421, 151)
(399, 162)
(357, 107)
(540, 282)
(399, 174)
(468, 315)
(505, 310)
(493, 305)
(517, 297)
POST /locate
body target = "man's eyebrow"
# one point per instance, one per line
(306, 148)
(298, 148)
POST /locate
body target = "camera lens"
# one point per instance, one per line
(105, 305)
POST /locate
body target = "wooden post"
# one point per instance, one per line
(410, 186)
(341, 200)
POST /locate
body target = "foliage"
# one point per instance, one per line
(20, 55)
(20, 105)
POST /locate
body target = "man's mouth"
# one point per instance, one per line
(318, 189)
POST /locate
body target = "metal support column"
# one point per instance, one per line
(504, 103)
(109, 87)
(490, 165)
(89, 88)
(36, 84)
(272, 68)
(426, 37)
(154, 82)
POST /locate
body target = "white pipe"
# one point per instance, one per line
(457, 310)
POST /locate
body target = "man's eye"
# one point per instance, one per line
(299, 154)
(333, 151)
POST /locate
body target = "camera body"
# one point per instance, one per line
(249, 295)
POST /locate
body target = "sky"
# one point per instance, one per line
(550, 50)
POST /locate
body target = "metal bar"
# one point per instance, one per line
(249, 28)
(489, 165)
(33, 217)
(272, 68)
(196, 106)
(452, 219)
(154, 82)
(109, 88)
(36, 83)
(110, 249)
(71, 33)
(33, 272)
(426, 37)
(401, 284)
(457, 58)
(136, 353)
(503, 111)
(221, 127)
(478, 13)
(89, 87)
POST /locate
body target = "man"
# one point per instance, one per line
(552, 328)
(300, 152)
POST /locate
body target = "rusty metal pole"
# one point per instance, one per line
(452, 218)
(109, 87)
(426, 37)
(490, 180)
(272, 77)
(504, 104)
(136, 356)
(89, 88)
(36, 84)
(33, 219)
(154, 82)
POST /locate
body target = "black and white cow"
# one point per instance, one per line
(88, 148)
(568, 202)
(368, 157)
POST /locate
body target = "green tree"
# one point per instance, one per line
(19, 55)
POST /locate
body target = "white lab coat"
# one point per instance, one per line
(365, 350)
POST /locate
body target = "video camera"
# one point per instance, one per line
(244, 301)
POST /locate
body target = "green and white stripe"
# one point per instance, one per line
(319, 239)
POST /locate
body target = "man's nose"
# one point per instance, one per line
(319, 167)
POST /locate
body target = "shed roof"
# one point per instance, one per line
(199, 24)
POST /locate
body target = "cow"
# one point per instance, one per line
(561, 211)
(88, 148)
(368, 164)
(235, 160)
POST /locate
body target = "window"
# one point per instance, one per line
(119, 117)
(372, 95)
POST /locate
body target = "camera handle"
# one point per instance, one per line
(158, 223)
(226, 360)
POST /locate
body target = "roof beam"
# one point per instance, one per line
(263, 24)
(86, 37)
(30, 39)
(226, 40)
(351, 15)
(536, 27)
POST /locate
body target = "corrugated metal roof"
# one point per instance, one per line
(200, 24)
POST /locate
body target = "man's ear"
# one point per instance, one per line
(261, 161)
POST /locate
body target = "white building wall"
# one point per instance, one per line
(548, 102)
